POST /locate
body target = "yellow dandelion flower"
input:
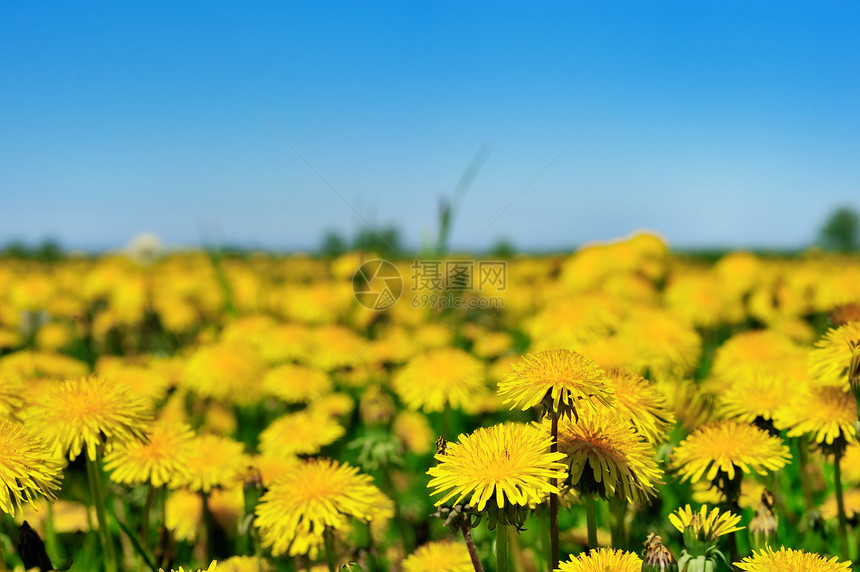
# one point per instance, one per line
(142, 381)
(439, 556)
(211, 568)
(213, 461)
(285, 342)
(31, 364)
(245, 564)
(851, 502)
(183, 511)
(641, 403)
(162, 457)
(707, 525)
(432, 381)
(608, 457)
(319, 494)
(66, 517)
(825, 413)
(333, 404)
(601, 560)
(705, 492)
(609, 352)
(754, 353)
(850, 463)
(571, 321)
(568, 378)
(334, 347)
(754, 397)
(509, 463)
(414, 430)
(376, 406)
(27, 469)
(692, 405)
(664, 344)
(828, 362)
(227, 371)
(302, 433)
(788, 560)
(296, 383)
(726, 446)
(12, 387)
(84, 411)
(271, 467)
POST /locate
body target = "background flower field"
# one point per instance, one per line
(158, 411)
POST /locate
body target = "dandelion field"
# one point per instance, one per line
(583, 411)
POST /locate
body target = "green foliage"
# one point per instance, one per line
(842, 230)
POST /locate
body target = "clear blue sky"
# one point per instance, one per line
(724, 123)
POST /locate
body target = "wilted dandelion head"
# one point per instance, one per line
(162, 457)
(641, 403)
(727, 446)
(562, 379)
(437, 379)
(88, 411)
(608, 457)
(439, 556)
(601, 560)
(788, 560)
(706, 525)
(509, 464)
(320, 493)
(27, 469)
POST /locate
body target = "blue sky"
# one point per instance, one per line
(716, 124)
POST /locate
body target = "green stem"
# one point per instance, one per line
(147, 509)
(591, 518)
(840, 505)
(804, 481)
(2, 558)
(208, 527)
(501, 547)
(555, 552)
(620, 509)
(51, 534)
(98, 501)
(329, 549)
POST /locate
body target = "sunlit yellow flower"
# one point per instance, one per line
(788, 560)
(574, 320)
(161, 458)
(213, 461)
(30, 364)
(828, 362)
(439, 556)
(211, 568)
(296, 383)
(824, 412)
(333, 347)
(608, 457)
(66, 517)
(321, 493)
(227, 371)
(664, 344)
(11, 389)
(761, 396)
(601, 560)
(726, 446)
(640, 402)
(851, 502)
(302, 433)
(27, 469)
(705, 492)
(414, 430)
(83, 411)
(184, 511)
(754, 353)
(706, 525)
(333, 404)
(145, 382)
(286, 342)
(245, 564)
(693, 406)
(53, 336)
(438, 379)
(509, 463)
(567, 378)
(272, 467)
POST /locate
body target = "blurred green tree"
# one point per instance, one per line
(840, 232)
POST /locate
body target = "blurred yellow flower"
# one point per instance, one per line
(438, 379)
(302, 433)
(439, 556)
